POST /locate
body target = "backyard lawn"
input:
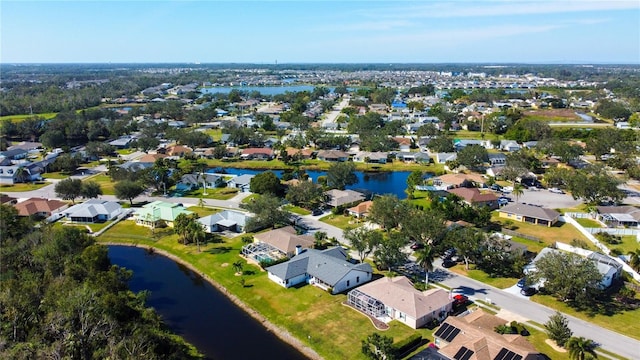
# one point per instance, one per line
(203, 211)
(23, 186)
(588, 223)
(296, 209)
(302, 311)
(561, 232)
(499, 282)
(217, 193)
(341, 221)
(105, 182)
(629, 243)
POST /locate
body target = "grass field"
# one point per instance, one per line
(341, 221)
(629, 243)
(105, 182)
(586, 222)
(18, 118)
(561, 232)
(23, 186)
(296, 209)
(315, 164)
(500, 283)
(203, 211)
(217, 193)
(301, 311)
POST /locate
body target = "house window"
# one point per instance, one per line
(357, 279)
(347, 283)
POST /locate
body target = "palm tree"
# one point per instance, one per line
(237, 266)
(517, 191)
(581, 348)
(425, 258)
(634, 260)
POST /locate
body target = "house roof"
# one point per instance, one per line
(225, 218)
(160, 210)
(38, 205)
(92, 208)
(332, 154)
(242, 179)
(4, 198)
(473, 195)
(328, 265)
(26, 145)
(252, 151)
(285, 239)
(179, 149)
(402, 140)
(341, 197)
(400, 294)
(361, 208)
(378, 155)
(617, 211)
(477, 337)
(531, 211)
(458, 179)
(151, 158)
(304, 152)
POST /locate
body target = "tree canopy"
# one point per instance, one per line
(341, 174)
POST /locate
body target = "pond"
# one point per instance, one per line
(195, 310)
(383, 182)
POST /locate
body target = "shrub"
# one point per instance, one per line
(407, 344)
(579, 243)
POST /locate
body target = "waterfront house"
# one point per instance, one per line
(157, 212)
(332, 155)
(474, 197)
(361, 210)
(397, 299)
(342, 197)
(227, 220)
(530, 214)
(378, 157)
(285, 240)
(302, 154)
(257, 154)
(412, 157)
(242, 182)
(448, 181)
(196, 181)
(327, 269)
(93, 211)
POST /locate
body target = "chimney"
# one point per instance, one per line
(298, 249)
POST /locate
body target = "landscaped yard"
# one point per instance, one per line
(341, 221)
(55, 175)
(624, 322)
(561, 232)
(203, 211)
(588, 223)
(93, 227)
(296, 209)
(23, 186)
(421, 198)
(499, 282)
(629, 243)
(302, 311)
(224, 193)
(105, 182)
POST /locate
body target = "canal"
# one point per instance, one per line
(195, 310)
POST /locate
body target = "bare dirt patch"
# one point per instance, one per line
(554, 114)
(554, 346)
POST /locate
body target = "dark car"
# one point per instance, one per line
(317, 212)
(447, 263)
(416, 246)
(522, 282)
(528, 291)
(496, 187)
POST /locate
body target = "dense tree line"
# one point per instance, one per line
(60, 297)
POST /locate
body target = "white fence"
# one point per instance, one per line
(577, 215)
(614, 231)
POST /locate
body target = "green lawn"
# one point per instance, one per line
(55, 175)
(296, 209)
(500, 283)
(421, 198)
(94, 227)
(217, 193)
(623, 322)
(18, 118)
(23, 186)
(561, 232)
(629, 243)
(589, 223)
(203, 211)
(105, 182)
(341, 221)
(301, 311)
(249, 198)
(315, 164)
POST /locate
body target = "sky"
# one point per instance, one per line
(301, 31)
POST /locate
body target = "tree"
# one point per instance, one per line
(128, 190)
(189, 229)
(266, 182)
(306, 194)
(518, 190)
(441, 144)
(319, 237)
(422, 226)
(341, 174)
(67, 163)
(594, 185)
(425, 258)
(389, 253)
(378, 347)
(90, 189)
(568, 276)
(69, 189)
(414, 179)
(612, 110)
(267, 212)
(473, 156)
(634, 259)
(558, 328)
(387, 211)
(363, 240)
(581, 348)
(467, 241)
(237, 266)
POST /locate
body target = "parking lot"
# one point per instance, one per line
(545, 198)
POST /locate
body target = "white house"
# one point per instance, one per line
(326, 269)
(226, 220)
(93, 210)
(397, 299)
(242, 182)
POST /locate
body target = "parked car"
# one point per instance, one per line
(460, 300)
(447, 263)
(522, 282)
(317, 212)
(416, 246)
(556, 191)
(496, 187)
(528, 291)
(507, 189)
(503, 201)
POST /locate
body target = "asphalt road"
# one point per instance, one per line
(518, 304)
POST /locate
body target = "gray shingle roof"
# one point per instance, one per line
(531, 211)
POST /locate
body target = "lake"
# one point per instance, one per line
(382, 182)
(195, 310)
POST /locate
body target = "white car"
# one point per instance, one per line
(556, 191)
(507, 189)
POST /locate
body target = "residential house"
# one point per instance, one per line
(441, 158)
(285, 240)
(227, 220)
(93, 211)
(378, 157)
(14, 154)
(257, 154)
(529, 213)
(397, 299)
(151, 158)
(302, 154)
(332, 155)
(494, 171)
(449, 181)
(474, 197)
(6, 199)
(40, 207)
(619, 216)
(509, 145)
(327, 269)
(242, 182)
(195, 181)
(13, 174)
(497, 159)
(135, 166)
(178, 150)
(26, 145)
(473, 337)
(413, 157)
(361, 210)
(549, 162)
(157, 212)
(123, 142)
(404, 143)
(338, 198)
(460, 144)
(607, 267)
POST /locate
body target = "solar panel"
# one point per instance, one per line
(447, 332)
(463, 354)
(506, 354)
